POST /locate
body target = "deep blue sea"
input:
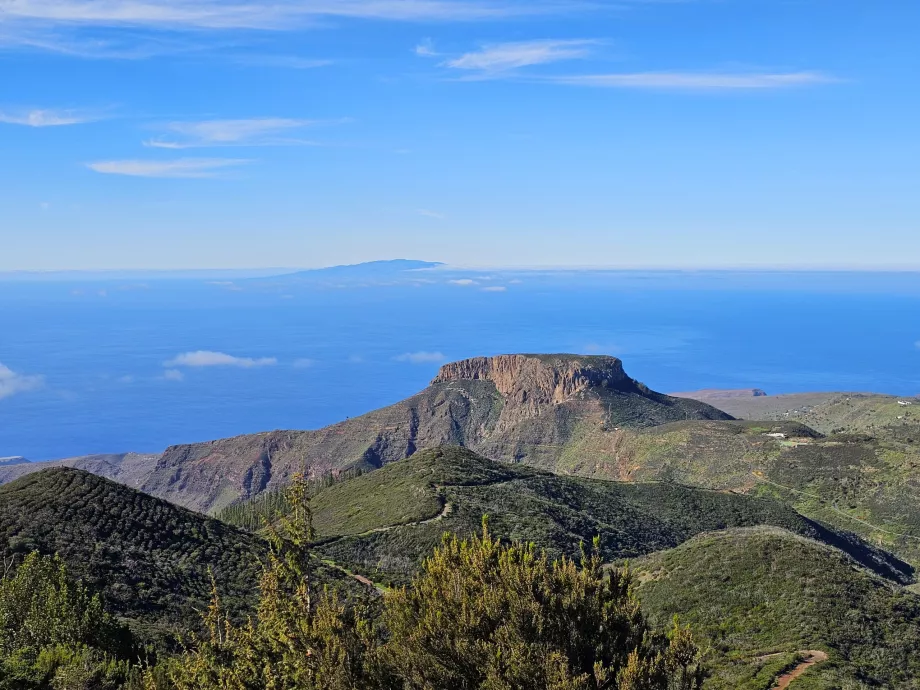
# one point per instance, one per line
(95, 365)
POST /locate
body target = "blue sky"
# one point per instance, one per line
(242, 133)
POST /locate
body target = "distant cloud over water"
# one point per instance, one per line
(207, 358)
(12, 383)
(422, 357)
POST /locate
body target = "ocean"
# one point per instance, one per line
(115, 364)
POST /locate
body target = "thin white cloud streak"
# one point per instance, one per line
(220, 14)
(208, 358)
(696, 81)
(210, 133)
(12, 383)
(173, 375)
(463, 282)
(46, 118)
(422, 357)
(94, 43)
(495, 288)
(283, 61)
(183, 168)
(505, 57)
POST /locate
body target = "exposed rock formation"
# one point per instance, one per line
(535, 381)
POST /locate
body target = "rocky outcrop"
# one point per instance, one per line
(539, 380)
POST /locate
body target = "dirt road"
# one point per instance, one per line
(812, 657)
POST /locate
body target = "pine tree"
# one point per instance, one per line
(291, 643)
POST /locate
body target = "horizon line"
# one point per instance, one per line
(445, 266)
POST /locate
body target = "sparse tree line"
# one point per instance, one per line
(481, 615)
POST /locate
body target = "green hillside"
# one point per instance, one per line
(151, 560)
(383, 524)
(755, 592)
(863, 482)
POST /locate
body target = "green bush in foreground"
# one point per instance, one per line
(487, 615)
(480, 615)
(53, 634)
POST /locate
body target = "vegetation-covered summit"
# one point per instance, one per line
(751, 594)
(149, 558)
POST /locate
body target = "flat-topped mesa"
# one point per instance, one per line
(541, 379)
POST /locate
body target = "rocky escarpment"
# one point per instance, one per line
(535, 381)
(556, 412)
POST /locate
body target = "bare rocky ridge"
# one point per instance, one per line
(130, 469)
(533, 409)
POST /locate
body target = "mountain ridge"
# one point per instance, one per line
(516, 408)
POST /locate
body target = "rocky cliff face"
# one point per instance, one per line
(549, 411)
(535, 381)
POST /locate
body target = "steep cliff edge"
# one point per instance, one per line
(535, 380)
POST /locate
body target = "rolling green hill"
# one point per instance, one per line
(383, 524)
(151, 560)
(756, 592)
(859, 482)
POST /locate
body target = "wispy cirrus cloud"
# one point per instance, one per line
(139, 29)
(508, 60)
(697, 81)
(12, 383)
(261, 14)
(259, 131)
(182, 168)
(500, 59)
(422, 357)
(208, 358)
(283, 61)
(46, 117)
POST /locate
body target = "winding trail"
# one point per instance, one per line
(812, 657)
(446, 510)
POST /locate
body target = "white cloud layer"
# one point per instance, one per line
(495, 288)
(505, 57)
(422, 357)
(256, 14)
(207, 358)
(179, 168)
(462, 281)
(45, 118)
(696, 81)
(209, 133)
(12, 383)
